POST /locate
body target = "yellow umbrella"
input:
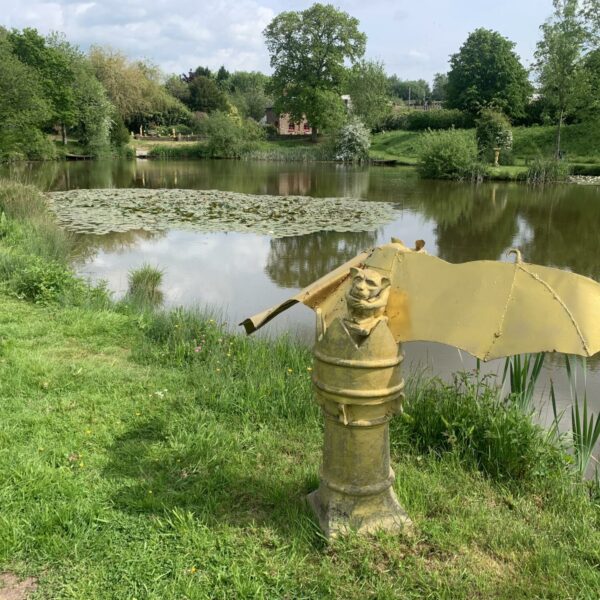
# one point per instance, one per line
(488, 308)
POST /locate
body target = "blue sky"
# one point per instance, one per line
(414, 39)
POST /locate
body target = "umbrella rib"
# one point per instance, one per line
(564, 306)
(501, 323)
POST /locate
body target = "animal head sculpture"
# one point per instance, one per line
(366, 300)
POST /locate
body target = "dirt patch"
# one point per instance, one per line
(12, 588)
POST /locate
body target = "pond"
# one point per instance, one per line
(240, 274)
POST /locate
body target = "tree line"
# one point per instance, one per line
(48, 85)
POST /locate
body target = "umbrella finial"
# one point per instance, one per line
(517, 253)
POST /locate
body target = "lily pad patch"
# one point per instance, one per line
(120, 210)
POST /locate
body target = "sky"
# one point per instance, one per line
(413, 39)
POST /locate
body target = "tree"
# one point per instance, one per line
(23, 108)
(440, 83)
(205, 95)
(136, 90)
(222, 77)
(54, 71)
(367, 85)
(486, 72)
(591, 65)
(559, 65)
(411, 91)
(308, 50)
(248, 92)
(178, 88)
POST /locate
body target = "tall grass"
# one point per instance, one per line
(585, 430)
(523, 372)
(144, 286)
(547, 170)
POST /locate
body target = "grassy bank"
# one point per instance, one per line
(156, 455)
(285, 150)
(579, 143)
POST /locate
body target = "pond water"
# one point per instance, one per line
(240, 274)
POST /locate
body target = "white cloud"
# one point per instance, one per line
(175, 35)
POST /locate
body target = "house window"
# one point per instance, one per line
(291, 127)
(306, 126)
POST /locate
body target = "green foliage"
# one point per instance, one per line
(564, 82)
(368, 89)
(205, 96)
(23, 109)
(230, 137)
(119, 134)
(248, 93)
(485, 73)
(585, 431)
(144, 286)
(493, 131)
(136, 91)
(547, 170)
(438, 90)
(415, 92)
(468, 418)
(308, 50)
(421, 120)
(523, 373)
(43, 281)
(448, 154)
(54, 69)
(352, 142)
(168, 151)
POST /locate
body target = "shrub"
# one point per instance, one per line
(468, 418)
(547, 170)
(352, 142)
(43, 281)
(420, 120)
(449, 154)
(493, 131)
(230, 136)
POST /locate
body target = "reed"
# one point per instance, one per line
(522, 373)
(144, 286)
(585, 428)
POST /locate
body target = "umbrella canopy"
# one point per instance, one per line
(490, 309)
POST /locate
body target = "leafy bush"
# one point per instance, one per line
(547, 170)
(420, 120)
(229, 136)
(469, 419)
(493, 131)
(43, 281)
(449, 154)
(352, 142)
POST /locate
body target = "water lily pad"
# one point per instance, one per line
(119, 210)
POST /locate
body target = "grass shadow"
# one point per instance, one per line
(217, 483)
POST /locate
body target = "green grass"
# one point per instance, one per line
(157, 455)
(128, 475)
(579, 143)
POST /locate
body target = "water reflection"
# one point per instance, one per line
(297, 261)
